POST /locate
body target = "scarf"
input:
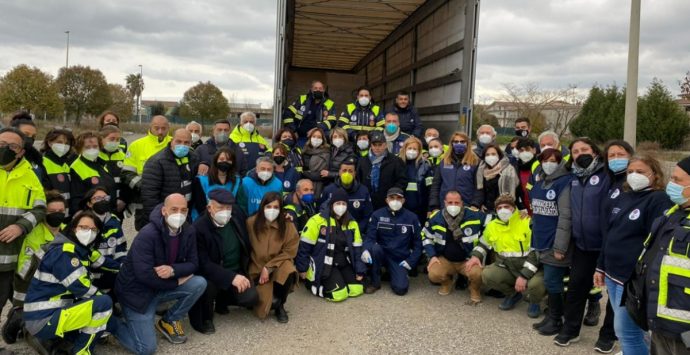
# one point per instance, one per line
(375, 169)
(490, 173)
(584, 172)
(390, 139)
(454, 224)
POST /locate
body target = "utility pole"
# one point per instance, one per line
(64, 117)
(630, 127)
(141, 89)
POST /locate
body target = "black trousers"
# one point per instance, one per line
(6, 290)
(203, 308)
(581, 281)
(281, 291)
(341, 276)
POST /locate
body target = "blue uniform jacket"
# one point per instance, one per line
(397, 233)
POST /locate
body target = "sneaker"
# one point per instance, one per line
(445, 288)
(565, 339)
(172, 331)
(604, 346)
(510, 302)
(371, 289)
(533, 310)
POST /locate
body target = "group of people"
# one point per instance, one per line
(340, 204)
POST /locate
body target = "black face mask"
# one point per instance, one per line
(279, 160)
(318, 95)
(224, 166)
(29, 141)
(289, 142)
(55, 219)
(102, 207)
(584, 160)
(111, 124)
(7, 156)
(521, 132)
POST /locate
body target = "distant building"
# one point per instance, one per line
(684, 103)
(265, 114)
(556, 113)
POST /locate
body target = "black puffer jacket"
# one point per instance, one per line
(338, 156)
(165, 174)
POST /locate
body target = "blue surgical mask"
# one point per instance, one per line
(459, 148)
(618, 165)
(391, 128)
(181, 150)
(675, 193)
(308, 198)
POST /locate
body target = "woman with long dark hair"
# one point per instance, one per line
(58, 153)
(274, 243)
(221, 175)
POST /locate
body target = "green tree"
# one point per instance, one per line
(29, 89)
(204, 101)
(601, 116)
(122, 101)
(158, 109)
(83, 91)
(660, 119)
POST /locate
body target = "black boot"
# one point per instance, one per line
(543, 321)
(593, 313)
(554, 321)
(13, 325)
(281, 314)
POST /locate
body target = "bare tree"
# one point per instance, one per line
(685, 87)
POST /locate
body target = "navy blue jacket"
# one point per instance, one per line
(410, 122)
(587, 201)
(210, 248)
(206, 151)
(398, 234)
(137, 282)
(459, 177)
(358, 201)
(629, 222)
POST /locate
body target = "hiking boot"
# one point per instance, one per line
(172, 331)
(510, 302)
(592, 315)
(446, 288)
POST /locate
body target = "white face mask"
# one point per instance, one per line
(526, 156)
(485, 139)
(395, 205)
(176, 220)
(249, 127)
(222, 217)
(340, 209)
(514, 152)
(85, 236)
(271, 214)
(316, 142)
(363, 101)
(90, 154)
(363, 144)
(429, 139)
(411, 154)
(504, 214)
(338, 142)
(549, 167)
(111, 146)
(491, 159)
(453, 210)
(545, 147)
(60, 149)
(195, 137)
(637, 181)
(265, 175)
(435, 152)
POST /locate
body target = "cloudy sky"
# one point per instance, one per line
(231, 42)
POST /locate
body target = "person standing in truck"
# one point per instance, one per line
(312, 110)
(361, 115)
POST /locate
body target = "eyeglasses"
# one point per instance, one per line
(12, 146)
(459, 142)
(100, 198)
(85, 228)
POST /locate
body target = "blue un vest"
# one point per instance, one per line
(545, 211)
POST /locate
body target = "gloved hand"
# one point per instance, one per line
(405, 265)
(366, 257)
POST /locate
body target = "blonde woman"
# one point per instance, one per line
(341, 149)
(456, 171)
(419, 177)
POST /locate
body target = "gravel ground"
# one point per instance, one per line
(420, 322)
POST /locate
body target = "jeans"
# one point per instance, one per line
(553, 278)
(138, 334)
(631, 337)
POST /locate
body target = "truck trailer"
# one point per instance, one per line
(424, 47)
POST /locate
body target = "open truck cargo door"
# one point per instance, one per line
(424, 47)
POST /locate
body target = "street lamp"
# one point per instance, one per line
(64, 117)
(141, 89)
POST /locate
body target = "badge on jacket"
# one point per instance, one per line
(551, 194)
(594, 180)
(74, 262)
(634, 215)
